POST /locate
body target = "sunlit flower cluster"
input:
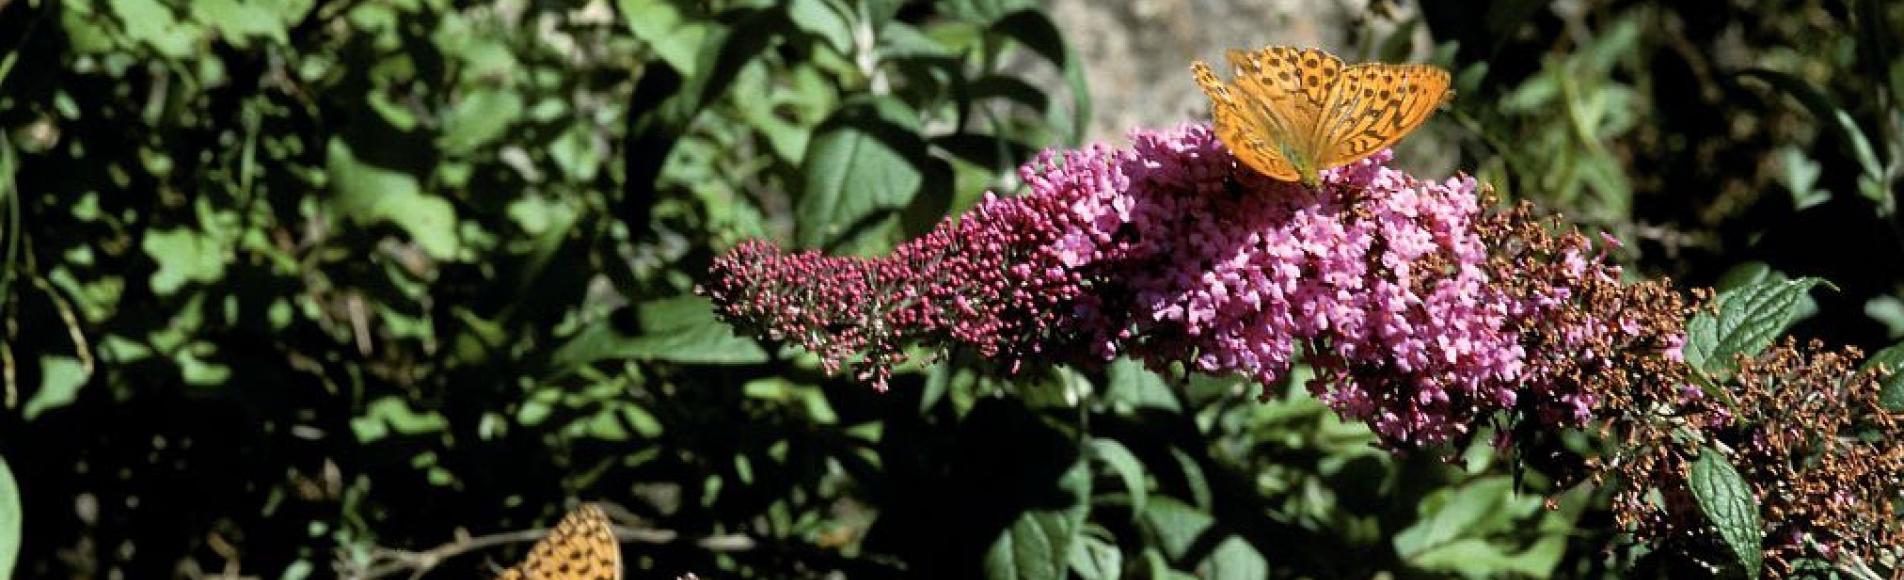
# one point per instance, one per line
(1423, 313)
(1168, 252)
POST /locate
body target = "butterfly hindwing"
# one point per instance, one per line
(581, 547)
(1374, 105)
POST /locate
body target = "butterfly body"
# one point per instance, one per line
(582, 547)
(1290, 113)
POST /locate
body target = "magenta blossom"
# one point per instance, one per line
(1171, 252)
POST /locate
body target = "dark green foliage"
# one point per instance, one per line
(285, 284)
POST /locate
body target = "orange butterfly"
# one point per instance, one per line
(581, 547)
(1291, 113)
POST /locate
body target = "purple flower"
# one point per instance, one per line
(1170, 251)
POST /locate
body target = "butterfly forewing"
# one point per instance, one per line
(1247, 132)
(1303, 73)
(581, 547)
(1374, 105)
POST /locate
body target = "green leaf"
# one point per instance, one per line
(1471, 557)
(1749, 318)
(1134, 388)
(1128, 468)
(1096, 559)
(184, 255)
(1800, 177)
(899, 40)
(1887, 310)
(368, 195)
(1728, 502)
(1236, 559)
(1459, 515)
(575, 153)
(12, 520)
(682, 330)
(670, 28)
(60, 380)
(240, 21)
(156, 25)
(1037, 545)
(867, 159)
(479, 118)
(1193, 478)
(1891, 393)
(824, 20)
(391, 413)
(1175, 524)
(1035, 30)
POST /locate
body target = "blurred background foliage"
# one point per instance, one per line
(289, 285)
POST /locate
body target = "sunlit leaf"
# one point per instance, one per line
(184, 255)
(1134, 388)
(823, 19)
(1095, 559)
(1749, 318)
(157, 26)
(1236, 559)
(60, 380)
(868, 159)
(1127, 467)
(478, 119)
(1729, 504)
(241, 20)
(390, 414)
(368, 194)
(12, 521)
(1175, 524)
(670, 27)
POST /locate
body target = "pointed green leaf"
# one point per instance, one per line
(867, 159)
(1236, 559)
(1728, 502)
(1135, 388)
(1749, 318)
(824, 20)
(670, 27)
(1128, 468)
(1096, 559)
(1175, 525)
(1037, 546)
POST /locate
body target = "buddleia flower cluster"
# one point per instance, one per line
(1425, 311)
(1167, 252)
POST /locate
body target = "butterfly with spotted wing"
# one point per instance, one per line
(581, 547)
(1290, 113)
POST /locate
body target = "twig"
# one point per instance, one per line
(81, 347)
